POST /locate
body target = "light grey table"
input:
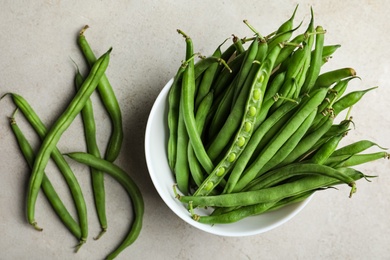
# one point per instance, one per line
(37, 43)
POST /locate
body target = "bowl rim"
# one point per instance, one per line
(160, 108)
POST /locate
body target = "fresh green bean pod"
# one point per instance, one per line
(272, 194)
(196, 169)
(131, 188)
(307, 142)
(358, 159)
(97, 177)
(328, 51)
(61, 163)
(245, 68)
(60, 125)
(109, 100)
(325, 151)
(188, 109)
(356, 147)
(252, 106)
(349, 100)
(207, 79)
(279, 175)
(291, 126)
(253, 143)
(328, 78)
(173, 116)
(289, 145)
(315, 61)
(47, 187)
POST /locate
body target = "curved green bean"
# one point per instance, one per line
(60, 125)
(128, 184)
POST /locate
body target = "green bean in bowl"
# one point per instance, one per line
(252, 131)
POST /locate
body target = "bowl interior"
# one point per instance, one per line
(156, 137)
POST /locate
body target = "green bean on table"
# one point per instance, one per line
(55, 132)
(131, 188)
(47, 187)
(61, 163)
(109, 101)
(97, 177)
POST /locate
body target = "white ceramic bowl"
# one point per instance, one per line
(156, 137)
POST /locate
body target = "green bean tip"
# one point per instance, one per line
(102, 232)
(81, 33)
(80, 244)
(36, 227)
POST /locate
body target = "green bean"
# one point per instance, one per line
(295, 67)
(187, 103)
(182, 170)
(357, 159)
(47, 187)
(196, 169)
(233, 121)
(356, 147)
(328, 78)
(284, 32)
(315, 62)
(225, 77)
(173, 116)
(334, 94)
(252, 106)
(60, 125)
(246, 65)
(277, 176)
(238, 44)
(325, 151)
(274, 86)
(253, 142)
(327, 52)
(207, 79)
(97, 177)
(234, 215)
(61, 163)
(287, 25)
(307, 142)
(222, 111)
(289, 145)
(109, 101)
(231, 93)
(266, 154)
(349, 100)
(340, 129)
(128, 184)
(290, 48)
(272, 194)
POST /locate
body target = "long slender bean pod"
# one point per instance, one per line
(272, 194)
(252, 107)
(97, 177)
(109, 100)
(47, 187)
(60, 125)
(266, 154)
(61, 163)
(128, 184)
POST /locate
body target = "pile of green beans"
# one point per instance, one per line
(260, 127)
(80, 105)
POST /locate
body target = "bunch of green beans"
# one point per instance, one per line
(80, 104)
(266, 131)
